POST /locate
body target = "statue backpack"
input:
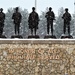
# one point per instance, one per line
(1, 18)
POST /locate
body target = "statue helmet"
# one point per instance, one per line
(50, 8)
(16, 8)
(1, 9)
(66, 9)
(33, 8)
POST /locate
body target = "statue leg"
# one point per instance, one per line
(1, 28)
(47, 28)
(31, 31)
(69, 29)
(18, 28)
(15, 28)
(1, 31)
(35, 30)
(64, 29)
(52, 28)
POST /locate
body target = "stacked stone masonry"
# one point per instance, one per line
(37, 57)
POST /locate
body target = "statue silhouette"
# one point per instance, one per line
(17, 19)
(67, 18)
(33, 21)
(2, 18)
(50, 17)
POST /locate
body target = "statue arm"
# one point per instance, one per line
(70, 17)
(38, 17)
(63, 16)
(29, 19)
(46, 15)
(20, 17)
(53, 16)
(4, 17)
(13, 16)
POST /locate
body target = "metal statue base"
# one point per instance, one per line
(33, 36)
(66, 37)
(2, 36)
(16, 36)
(50, 37)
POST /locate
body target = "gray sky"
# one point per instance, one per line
(41, 4)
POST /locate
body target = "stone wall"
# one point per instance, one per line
(37, 57)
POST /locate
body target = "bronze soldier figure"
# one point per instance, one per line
(2, 18)
(17, 19)
(33, 21)
(67, 18)
(50, 17)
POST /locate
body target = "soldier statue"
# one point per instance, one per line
(33, 21)
(67, 18)
(17, 19)
(2, 18)
(50, 17)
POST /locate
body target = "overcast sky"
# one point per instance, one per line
(41, 4)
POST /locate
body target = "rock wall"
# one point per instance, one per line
(38, 57)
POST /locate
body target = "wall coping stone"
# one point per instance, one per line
(37, 41)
